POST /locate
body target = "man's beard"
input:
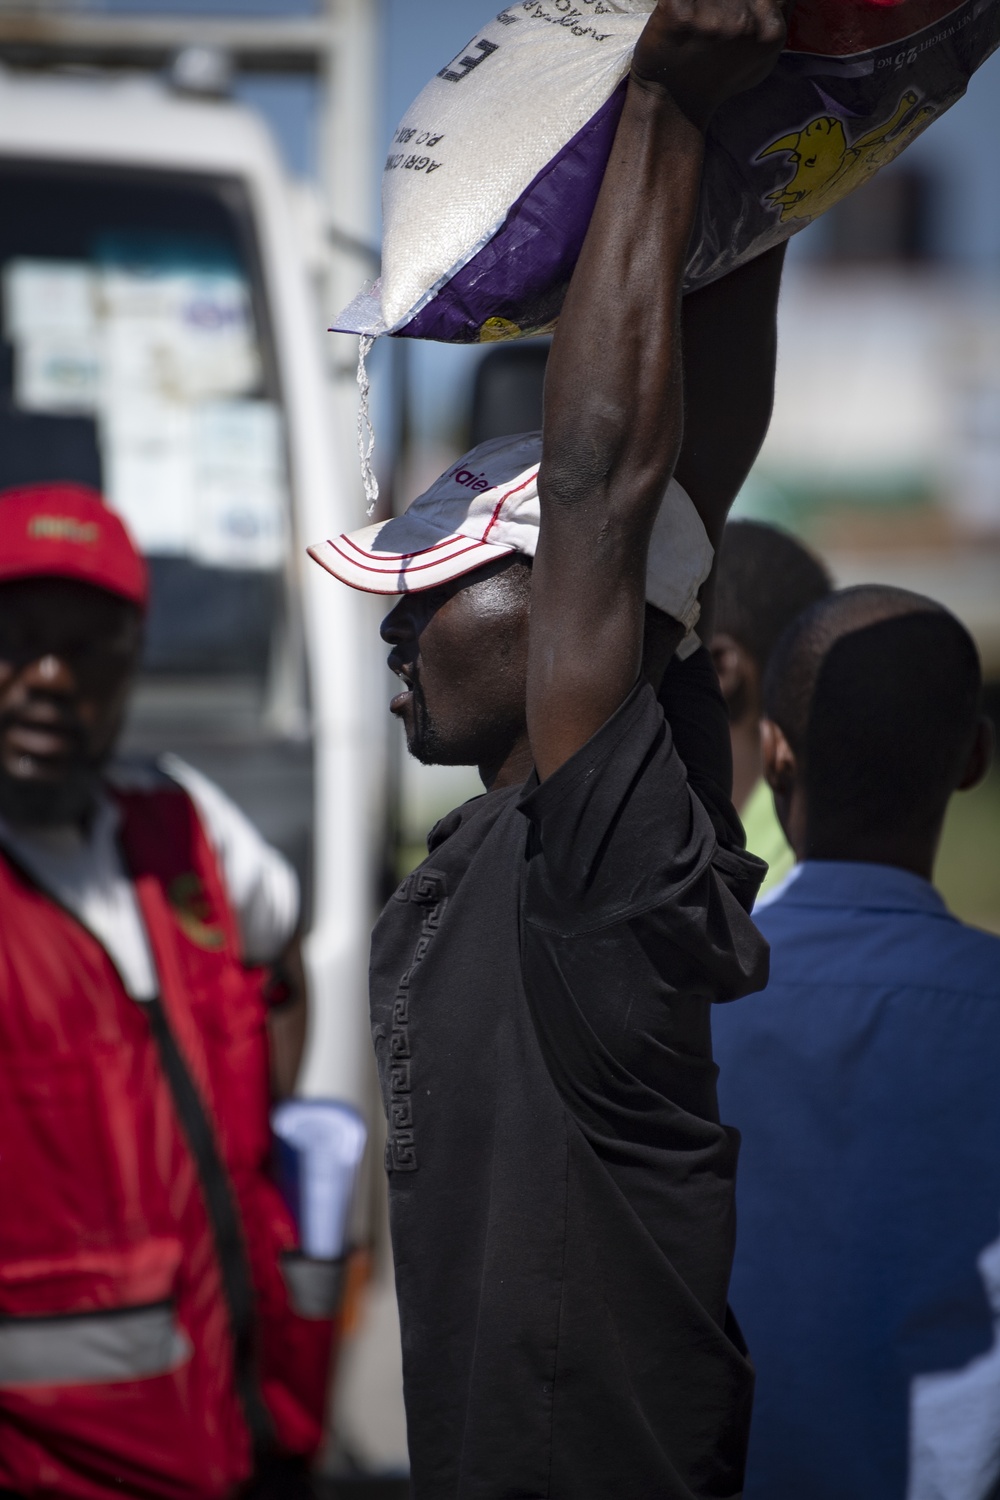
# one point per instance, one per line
(431, 746)
(467, 742)
(50, 804)
(425, 743)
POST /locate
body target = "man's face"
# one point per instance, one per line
(68, 652)
(461, 652)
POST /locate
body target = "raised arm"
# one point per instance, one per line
(613, 395)
(729, 332)
(730, 343)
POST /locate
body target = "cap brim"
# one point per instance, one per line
(403, 556)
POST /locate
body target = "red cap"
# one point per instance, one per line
(67, 531)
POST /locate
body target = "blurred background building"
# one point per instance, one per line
(189, 195)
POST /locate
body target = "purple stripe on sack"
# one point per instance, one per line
(522, 273)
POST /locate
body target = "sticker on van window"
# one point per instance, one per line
(161, 348)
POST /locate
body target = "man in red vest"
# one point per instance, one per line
(157, 1336)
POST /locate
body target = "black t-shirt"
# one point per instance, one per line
(561, 1190)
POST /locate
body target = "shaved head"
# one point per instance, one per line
(878, 692)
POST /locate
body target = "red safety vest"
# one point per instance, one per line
(148, 1342)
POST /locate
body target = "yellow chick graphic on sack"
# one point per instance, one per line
(828, 166)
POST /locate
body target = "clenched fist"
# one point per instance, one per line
(704, 51)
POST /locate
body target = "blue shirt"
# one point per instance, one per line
(865, 1081)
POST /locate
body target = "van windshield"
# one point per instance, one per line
(136, 357)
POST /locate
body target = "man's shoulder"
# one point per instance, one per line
(261, 885)
(897, 932)
(132, 775)
(629, 761)
(469, 824)
(168, 774)
(474, 847)
(975, 952)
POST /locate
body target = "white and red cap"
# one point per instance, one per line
(486, 506)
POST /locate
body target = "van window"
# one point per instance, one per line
(136, 356)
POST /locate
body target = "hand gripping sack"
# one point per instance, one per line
(494, 171)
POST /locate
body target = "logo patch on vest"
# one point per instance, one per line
(193, 911)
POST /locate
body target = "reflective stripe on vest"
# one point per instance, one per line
(89, 1348)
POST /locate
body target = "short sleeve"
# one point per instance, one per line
(623, 827)
(262, 887)
(635, 904)
(695, 709)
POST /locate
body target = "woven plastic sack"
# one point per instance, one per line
(494, 170)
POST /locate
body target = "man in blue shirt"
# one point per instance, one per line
(864, 1078)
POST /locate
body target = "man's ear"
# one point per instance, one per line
(980, 756)
(778, 757)
(737, 674)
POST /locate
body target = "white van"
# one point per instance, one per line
(160, 340)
